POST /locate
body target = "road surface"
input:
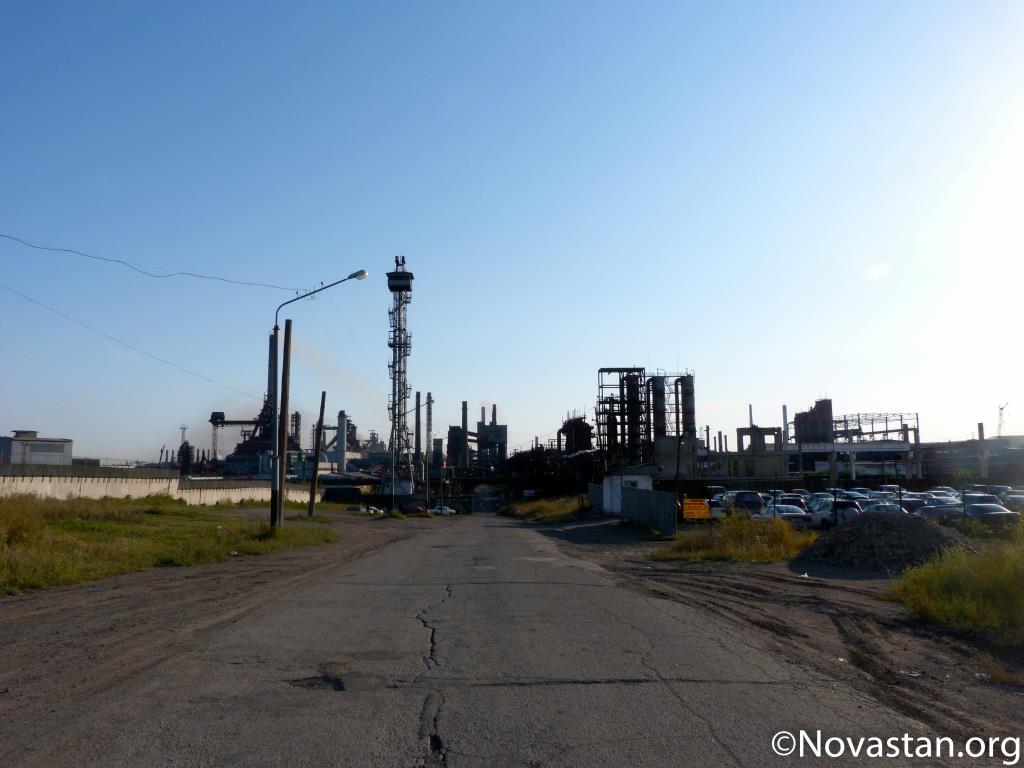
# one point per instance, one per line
(471, 641)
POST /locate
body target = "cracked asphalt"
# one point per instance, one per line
(473, 642)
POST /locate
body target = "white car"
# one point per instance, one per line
(442, 511)
(791, 514)
(883, 506)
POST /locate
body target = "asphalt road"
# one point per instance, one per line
(474, 642)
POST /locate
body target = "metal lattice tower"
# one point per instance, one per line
(398, 473)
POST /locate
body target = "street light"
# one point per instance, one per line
(275, 458)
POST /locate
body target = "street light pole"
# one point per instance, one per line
(276, 486)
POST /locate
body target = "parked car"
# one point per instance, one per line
(942, 490)
(747, 501)
(889, 507)
(802, 492)
(715, 490)
(862, 491)
(911, 505)
(993, 515)
(980, 498)
(1014, 501)
(442, 510)
(999, 490)
(882, 495)
(793, 500)
(832, 512)
(942, 513)
(795, 516)
(816, 500)
(851, 496)
(890, 488)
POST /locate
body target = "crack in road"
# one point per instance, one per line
(667, 684)
(430, 714)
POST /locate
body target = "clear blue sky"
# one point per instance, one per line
(791, 199)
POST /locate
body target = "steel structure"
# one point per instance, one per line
(869, 427)
(622, 411)
(398, 471)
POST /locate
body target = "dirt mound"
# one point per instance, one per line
(882, 542)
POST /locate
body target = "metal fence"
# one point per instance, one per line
(656, 509)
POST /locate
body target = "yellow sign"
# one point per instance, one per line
(696, 509)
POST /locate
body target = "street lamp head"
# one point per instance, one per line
(360, 275)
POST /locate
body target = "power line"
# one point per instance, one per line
(147, 273)
(125, 344)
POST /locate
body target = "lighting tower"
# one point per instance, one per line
(398, 472)
(1001, 409)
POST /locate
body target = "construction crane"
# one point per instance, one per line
(1002, 408)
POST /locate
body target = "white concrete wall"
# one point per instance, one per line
(193, 492)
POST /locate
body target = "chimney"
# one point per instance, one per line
(341, 443)
(785, 424)
(494, 413)
(418, 444)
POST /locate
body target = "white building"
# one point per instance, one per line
(26, 447)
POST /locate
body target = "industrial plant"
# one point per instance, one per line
(644, 424)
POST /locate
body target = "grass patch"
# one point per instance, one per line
(305, 518)
(322, 506)
(47, 542)
(738, 539)
(976, 592)
(556, 510)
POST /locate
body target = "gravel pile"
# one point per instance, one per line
(878, 541)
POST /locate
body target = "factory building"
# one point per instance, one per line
(26, 447)
(490, 439)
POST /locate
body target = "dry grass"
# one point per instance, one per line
(46, 542)
(738, 539)
(556, 510)
(975, 591)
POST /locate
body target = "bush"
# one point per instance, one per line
(980, 592)
(556, 510)
(739, 539)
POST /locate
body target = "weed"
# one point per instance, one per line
(46, 542)
(556, 510)
(739, 539)
(982, 592)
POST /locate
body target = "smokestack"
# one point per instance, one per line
(465, 433)
(341, 446)
(494, 413)
(483, 414)
(751, 409)
(430, 419)
(719, 441)
(725, 443)
(417, 440)
(785, 424)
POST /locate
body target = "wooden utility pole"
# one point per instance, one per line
(282, 429)
(317, 442)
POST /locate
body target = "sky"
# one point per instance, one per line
(793, 200)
